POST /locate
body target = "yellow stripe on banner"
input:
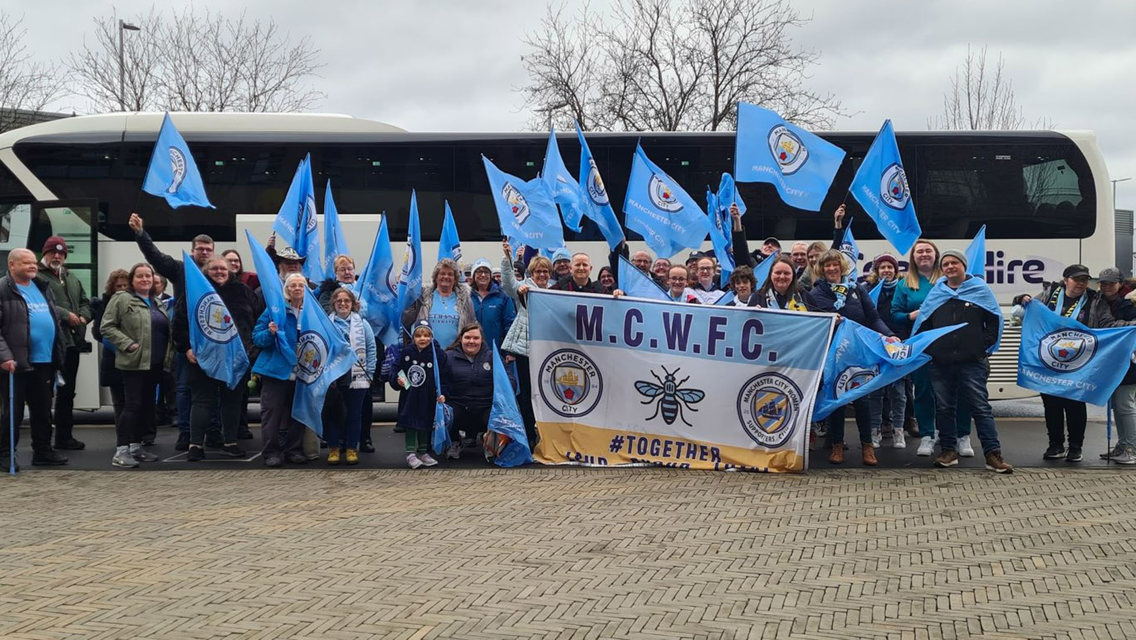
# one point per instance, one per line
(570, 443)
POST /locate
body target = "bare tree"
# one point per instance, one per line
(980, 97)
(24, 85)
(671, 65)
(198, 62)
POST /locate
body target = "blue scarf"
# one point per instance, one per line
(973, 290)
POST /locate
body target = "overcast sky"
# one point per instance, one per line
(449, 65)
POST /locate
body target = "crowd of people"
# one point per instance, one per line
(449, 331)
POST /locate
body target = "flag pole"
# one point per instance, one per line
(11, 423)
(1108, 426)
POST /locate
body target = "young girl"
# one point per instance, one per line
(412, 373)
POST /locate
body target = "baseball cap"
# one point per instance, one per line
(1111, 274)
(55, 243)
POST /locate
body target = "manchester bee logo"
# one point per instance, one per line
(517, 203)
(767, 409)
(668, 396)
(893, 187)
(180, 167)
(1067, 350)
(787, 149)
(214, 320)
(662, 195)
(311, 356)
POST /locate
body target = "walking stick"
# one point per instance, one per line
(1108, 427)
(11, 424)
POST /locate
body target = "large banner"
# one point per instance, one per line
(632, 381)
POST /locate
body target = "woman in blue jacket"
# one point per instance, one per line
(494, 309)
(276, 369)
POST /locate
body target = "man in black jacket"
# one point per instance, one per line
(27, 307)
(959, 366)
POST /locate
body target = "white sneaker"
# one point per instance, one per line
(428, 460)
(123, 459)
(964, 447)
(454, 452)
(1127, 456)
(898, 440)
(413, 460)
(877, 437)
(926, 446)
(936, 436)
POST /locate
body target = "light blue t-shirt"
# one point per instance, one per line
(40, 323)
(444, 318)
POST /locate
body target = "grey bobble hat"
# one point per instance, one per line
(960, 256)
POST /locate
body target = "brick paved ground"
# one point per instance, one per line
(568, 553)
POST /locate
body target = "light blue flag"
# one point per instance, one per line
(273, 291)
(1064, 358)
(323, 356)
(728, 194)
(725, 299)
(721, 228)
(378, 294)
(443, 413)
(505, 418)
(875, 292)
(296, 222)
(850, 249)
(657, 207)
(972, 290)
(449, 245)
(799, 164)
(334, 244)
(525, 209)
(593, 196)
(861, 361)
(212, 333)
(173, 173)
(637, 284)
(564, 188)
(761, 271)
(880, 186)
(410, 280)
(976, 254)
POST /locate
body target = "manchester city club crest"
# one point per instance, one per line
(408, 261)
(787, 149)
(662, 195)
(517, 203)
(179, 166)
(854, 378)
(1067, 350)
(767, 409)
(570, 383)
(893, 187)
(311, 356)
(416, 373)
(214, 320)
(310, 212)
(595, 185)
(897, 350)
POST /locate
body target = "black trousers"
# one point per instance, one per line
(34, 389)
(1060, 412)
(137, 417)
(65, 397)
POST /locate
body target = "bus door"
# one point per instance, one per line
(76, 221)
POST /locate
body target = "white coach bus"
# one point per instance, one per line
(1044, 196)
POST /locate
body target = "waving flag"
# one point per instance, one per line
(505, 418)
(875, 292)
(443, 413)
(727, 298)
(449, 245)
(761, 271)
(1064, 358)
(728, 194)
(861, 361)
(799, 164)
(880, 186)
(410, 280)
(593, 196)
(721, 233)
(212, 333)
(334, 243)
(637, 284)
(525, 210)
(295, 223)
(273, 291)
(976, 254)
(850, 249)
(564, 188)
(378, 295)
(658, 208)
(323, 356)
(173, 173)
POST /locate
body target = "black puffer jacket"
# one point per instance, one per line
(470, 380)
(968, 343)
(857, 307)
(15, 334)
(1123, 309)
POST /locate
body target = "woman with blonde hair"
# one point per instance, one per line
(539, 272)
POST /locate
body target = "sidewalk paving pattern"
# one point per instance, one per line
(568, 553)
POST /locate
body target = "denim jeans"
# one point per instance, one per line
(962, 384)
(1124, 410)
(890, 401)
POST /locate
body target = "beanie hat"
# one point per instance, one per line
(886, 257)
(958, 255)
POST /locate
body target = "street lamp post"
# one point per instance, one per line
(123, 26)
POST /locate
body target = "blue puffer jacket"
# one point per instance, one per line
(271, 362)
(495, 312)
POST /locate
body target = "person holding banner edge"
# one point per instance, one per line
(516, 342)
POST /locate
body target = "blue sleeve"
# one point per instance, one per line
(261, 336)
(510, 315)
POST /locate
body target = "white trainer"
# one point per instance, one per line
(455, 451)
(926, 446)
(123, 459)
(964, 447)
(877, 437)
(413, 460)
(428, 460)
(898, 440)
